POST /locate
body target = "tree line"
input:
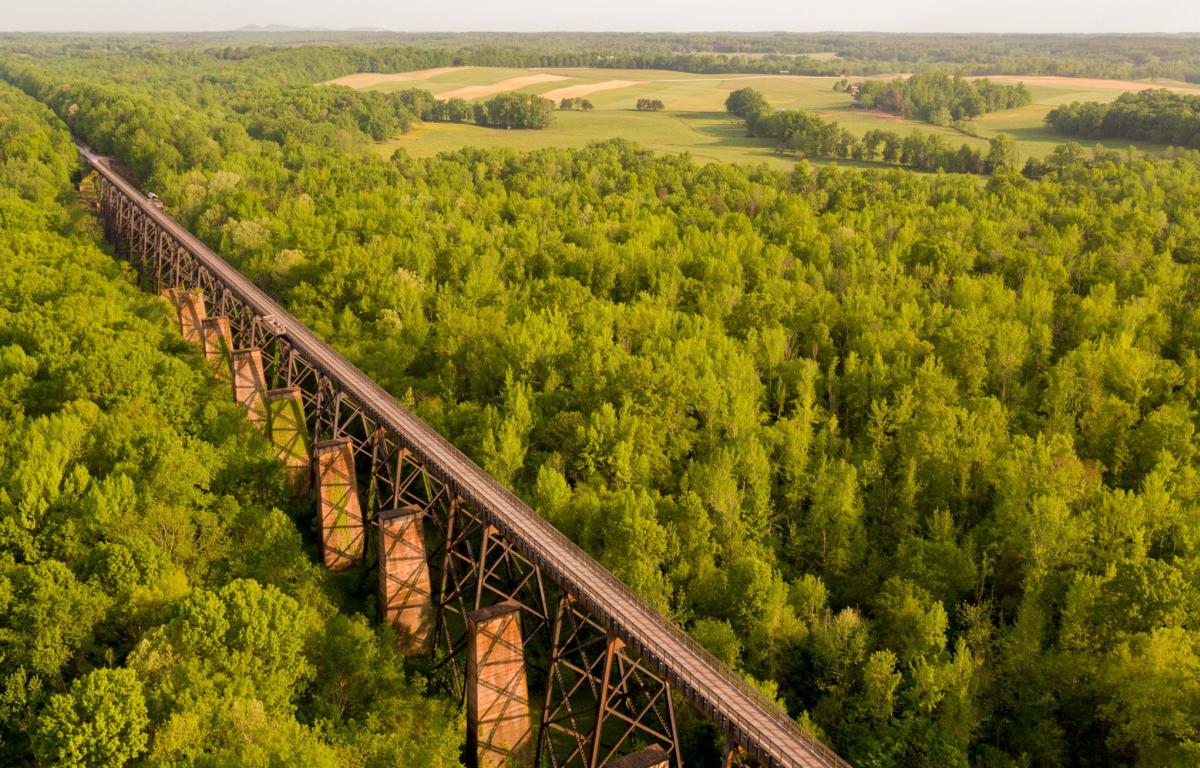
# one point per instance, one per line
(807, 135)
(1157, 115)
(505, 110)
(277, 113)
(578, 102)
(915, 453)
(308, 57)
(515, 110)
(938, 98)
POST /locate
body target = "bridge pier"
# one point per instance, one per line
(191, 315)
(338, 512)
(499, 729)
(405, 597)
(289, 434)
(218, 343)
(650, 757)
(249, 383)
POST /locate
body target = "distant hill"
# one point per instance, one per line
(290, 28)
(279, 28)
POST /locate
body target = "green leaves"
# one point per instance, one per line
(131, 501)
(100, 723)
(1157, 115)
(50, 619)
(938, 98)
(515, 110)
(241, 641)
(505, 439)
(910, 622)
(1154, 708)
(918, 452)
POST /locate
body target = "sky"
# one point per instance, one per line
(610, 15)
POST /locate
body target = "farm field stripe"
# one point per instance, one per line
(370, 79)
(511, 84)
(574, 91)
(1085, 83)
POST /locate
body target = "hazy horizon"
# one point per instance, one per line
(921, 16)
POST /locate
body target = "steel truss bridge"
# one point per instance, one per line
(467, 571)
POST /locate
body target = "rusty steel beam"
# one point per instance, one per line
(600, 697)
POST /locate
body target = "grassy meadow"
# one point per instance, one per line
(695, 121)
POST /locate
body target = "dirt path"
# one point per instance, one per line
(879, 113)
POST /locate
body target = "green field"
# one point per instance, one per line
(695, 121)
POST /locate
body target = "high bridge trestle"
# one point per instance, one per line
(559, 663)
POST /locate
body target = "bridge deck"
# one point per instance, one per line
(703, 681)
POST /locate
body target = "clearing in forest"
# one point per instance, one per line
(695, 121)
(575, 91)
(511, 84)
(362, 80)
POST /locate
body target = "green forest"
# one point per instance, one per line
(159, 603)
(333, 53)
(807, 135)
(1153, 115)
(937, 98)
(515, 110)
(916, 453)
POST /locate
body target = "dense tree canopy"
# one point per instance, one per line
(515, 110)
(310, 56)
(807, 135)
(1153, 115)
(745, 102)
(917, 453)
(323, 113)
(157, 604)
(938, 98)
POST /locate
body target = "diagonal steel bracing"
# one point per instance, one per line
(600, 699)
